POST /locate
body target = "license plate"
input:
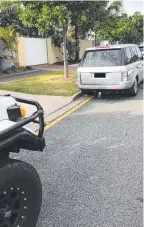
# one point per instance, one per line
(99, 75)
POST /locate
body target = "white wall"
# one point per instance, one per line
(104, 42)
(35, 51)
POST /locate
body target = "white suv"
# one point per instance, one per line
(113, 68)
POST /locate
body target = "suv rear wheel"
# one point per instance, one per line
(20, 194)
(134, 89)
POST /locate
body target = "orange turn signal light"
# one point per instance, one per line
(22, 111)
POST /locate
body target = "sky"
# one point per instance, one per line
(132, 6)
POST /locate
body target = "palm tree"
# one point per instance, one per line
(8, 34)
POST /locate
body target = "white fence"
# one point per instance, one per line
(38, 51)
(35, 51)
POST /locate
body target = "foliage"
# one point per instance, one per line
(8, 34)
(123, 29)
(40, 18)
(51, 17)
(104, 16)
(84, 14)
(78, 17)
(71, 47)
(115, 5)
(74, 19)
(9, 16)
(57, 40)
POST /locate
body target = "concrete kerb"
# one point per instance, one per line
(19, 73)
(77, 96)
(76, 99)
(72, 101)
(59, 112)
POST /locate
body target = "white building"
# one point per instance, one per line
(120, 10)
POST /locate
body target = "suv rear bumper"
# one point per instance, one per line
(120, 86)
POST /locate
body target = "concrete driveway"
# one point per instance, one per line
(92, 167)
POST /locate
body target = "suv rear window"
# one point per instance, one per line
(102, 58)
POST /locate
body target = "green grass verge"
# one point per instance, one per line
(52, 84)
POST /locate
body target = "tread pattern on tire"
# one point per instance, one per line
(7, 170)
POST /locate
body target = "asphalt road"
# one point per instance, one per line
(92, 168)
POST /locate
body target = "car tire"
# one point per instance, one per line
(134, 89)
(20, 194)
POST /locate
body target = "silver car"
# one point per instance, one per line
(113, 68)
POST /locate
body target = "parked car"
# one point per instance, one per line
(20, 185)
(111, 68)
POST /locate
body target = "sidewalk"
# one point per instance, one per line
(11, 77)
(55, 68)
(50, 104)
(37, 70)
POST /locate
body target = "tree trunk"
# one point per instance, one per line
(65, 54)
(77, 44)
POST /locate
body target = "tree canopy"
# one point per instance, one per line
(65, 21)
(53, 17)
(123, 29)
(9, 16)
(8, 34)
